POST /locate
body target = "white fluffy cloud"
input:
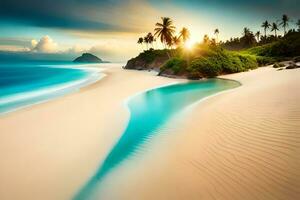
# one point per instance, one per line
(44, 45)
(76, 49)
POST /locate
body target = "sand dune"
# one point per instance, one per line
(243, 144)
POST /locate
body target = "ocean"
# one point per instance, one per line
(29, 83)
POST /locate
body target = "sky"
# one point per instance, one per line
(63, 29)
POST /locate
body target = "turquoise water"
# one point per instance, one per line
(24, 84)
(149, 112)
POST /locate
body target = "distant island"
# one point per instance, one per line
(89, 58)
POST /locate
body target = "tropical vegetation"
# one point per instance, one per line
(211, 57)
(208, 60)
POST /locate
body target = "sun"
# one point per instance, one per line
(189, 45)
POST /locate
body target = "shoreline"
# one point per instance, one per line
(47, 93)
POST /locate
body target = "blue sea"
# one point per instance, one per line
(28, 83)
(150, 111)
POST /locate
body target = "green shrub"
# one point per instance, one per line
(208, 67)
(215, 61)
(177, 65)
(263, 60)
(288, 46)
(241, 62)
(150, 55)
(259, 50)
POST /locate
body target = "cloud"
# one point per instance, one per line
(104, 50)
(76, 49)
(88, 15)
(114, 50)
(15, 41)
(45, 45)
(64, 14)
(34, 43)
(13, 48)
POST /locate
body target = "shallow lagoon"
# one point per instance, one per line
(149, 112)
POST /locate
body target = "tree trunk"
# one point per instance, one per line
(167, 50)
(265, 33)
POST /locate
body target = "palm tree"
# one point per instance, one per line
(216, 32)
(284, 22)
(298, 24)
(176, 41)
(246, 31)
(266, 25)
(150, 39)
(205, 39)
(146, 41)
(140, 41)
(170, 43)
(248, 38)
(257, 35)
(165, 30)
(184, 34)
(274, 28)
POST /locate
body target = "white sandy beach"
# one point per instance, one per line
(242, 144)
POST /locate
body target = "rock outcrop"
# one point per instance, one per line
(148, 60)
